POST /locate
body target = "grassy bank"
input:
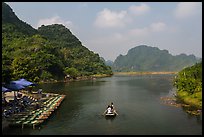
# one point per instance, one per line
(100, 75)
(193, 101)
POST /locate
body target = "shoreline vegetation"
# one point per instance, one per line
(175, 102)
(145, 73)
(93, 77)
(188, 83)
(106, 75)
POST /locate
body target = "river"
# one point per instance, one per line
(136, 98)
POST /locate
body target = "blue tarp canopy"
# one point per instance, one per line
(24, 82)
(5, 89)
(15, 86)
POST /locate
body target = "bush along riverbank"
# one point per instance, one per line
(189, 88)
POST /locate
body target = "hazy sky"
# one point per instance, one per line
(112, 28)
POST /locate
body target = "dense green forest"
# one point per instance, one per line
(189, 86)
(46, 54)
(146, 58)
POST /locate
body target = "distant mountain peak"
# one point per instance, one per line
(147, 58)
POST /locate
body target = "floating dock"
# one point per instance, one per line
(35, 117)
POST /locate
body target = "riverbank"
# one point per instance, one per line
(91, 77)
(145, 73)
(173, 101)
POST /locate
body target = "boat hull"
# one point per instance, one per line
(110, 114)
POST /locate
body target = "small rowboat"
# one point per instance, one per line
(112, 114)
(110, 111)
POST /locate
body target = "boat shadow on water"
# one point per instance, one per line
(110, 118)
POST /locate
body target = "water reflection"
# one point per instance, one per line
(148, 82)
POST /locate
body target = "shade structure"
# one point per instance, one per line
(24, 82)
(5, 90)
(15, 86)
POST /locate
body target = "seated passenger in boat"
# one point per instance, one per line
(109, 109)
(113, 109)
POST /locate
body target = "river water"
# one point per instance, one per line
(136, 98)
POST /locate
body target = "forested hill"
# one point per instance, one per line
(146, 58)
(59, 34)
(12, 24)
(49, 53)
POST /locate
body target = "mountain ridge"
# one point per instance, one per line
(147, 58)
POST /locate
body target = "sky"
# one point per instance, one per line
(112, 28)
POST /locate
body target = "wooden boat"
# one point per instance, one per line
(110, 112)
(110, 116)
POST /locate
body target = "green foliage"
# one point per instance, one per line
(43, 54)
(24, 68)
(72, 72)
(6, 70)
(189, 85)
(46, 76)
(145, 58)
(72, 53)
(59, 35)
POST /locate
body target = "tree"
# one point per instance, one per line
(72, 72)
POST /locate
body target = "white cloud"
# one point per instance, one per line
(119, 19)
(147, 31)
(55, 20)
(159, 26)
(187, 9)
(139, 32)
(139, 10)
(111, 19)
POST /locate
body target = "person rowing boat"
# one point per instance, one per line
(110, 110)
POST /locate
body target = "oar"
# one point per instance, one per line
(104, 112)
(115, 112)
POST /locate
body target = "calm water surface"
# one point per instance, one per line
(136, 98)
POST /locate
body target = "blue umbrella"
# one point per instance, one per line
(24, 82)
(15, 86)
(5, 90)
